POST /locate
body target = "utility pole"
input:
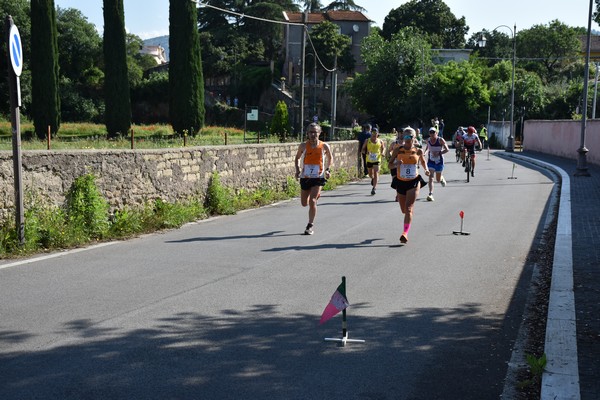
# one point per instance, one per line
(302, 59)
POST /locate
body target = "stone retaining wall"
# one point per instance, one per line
(132, 177)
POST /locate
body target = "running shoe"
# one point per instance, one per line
(473, 173)
(373, 191)
(309, 229)
(443, 181)
(404, 238)
(430, 197)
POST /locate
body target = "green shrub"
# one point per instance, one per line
(292, 187)
(219, 200)
(126, 222)
(280, 125)
(344, 134)
(87, 210)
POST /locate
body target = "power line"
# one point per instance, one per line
(246, 16)
(270, 21)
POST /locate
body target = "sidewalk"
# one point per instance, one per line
(584, 232)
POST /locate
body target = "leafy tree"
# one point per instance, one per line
(562, 100)
(186, 82)
(232, 39)
(80, 45)
(137, 62)
(280, 124)
(333, 48)
(390, 89)
(498, 46)
(549, 49)
(116, 82)
(80, 60)
(19, 10)
(270, 34)
(347, 5)
(45, 108)
(432, 18)
(458, 91)
(311, 5)
(530, 95)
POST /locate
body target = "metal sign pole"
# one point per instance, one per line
(15, 58)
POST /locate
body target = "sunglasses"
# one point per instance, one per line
(408, 137)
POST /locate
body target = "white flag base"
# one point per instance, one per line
(344, 340)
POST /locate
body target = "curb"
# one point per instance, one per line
(560, 379)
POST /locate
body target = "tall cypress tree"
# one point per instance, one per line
(186, 82)
(45, 107)
(116, 84)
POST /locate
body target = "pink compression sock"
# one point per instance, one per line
(406, 228)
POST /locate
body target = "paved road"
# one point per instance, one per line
(228, 308)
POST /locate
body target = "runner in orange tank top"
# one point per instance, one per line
(312, 172)
(408, 181)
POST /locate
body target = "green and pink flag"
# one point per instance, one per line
(337, 303)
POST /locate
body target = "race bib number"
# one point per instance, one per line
(435, 157)
(408, 171)
(312, 171)
(373, 157)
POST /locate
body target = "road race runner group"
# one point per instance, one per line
(314, 161)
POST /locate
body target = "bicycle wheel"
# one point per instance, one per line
(457, 155)
(468, 167)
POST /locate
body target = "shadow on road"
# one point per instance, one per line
(255, 353)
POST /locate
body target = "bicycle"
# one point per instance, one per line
(468, 165)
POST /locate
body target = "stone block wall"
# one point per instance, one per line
(132, 177)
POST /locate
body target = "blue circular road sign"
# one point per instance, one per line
(15, 49)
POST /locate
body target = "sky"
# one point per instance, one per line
(150, 18)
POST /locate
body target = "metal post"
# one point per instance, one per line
(15, 117)
(511, 139)
(582, 168)
(595, 91)
(303, 59)
(315, 87)
(422, 79)
(333, 97)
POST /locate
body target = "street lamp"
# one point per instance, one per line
(582, 168)
(510, 146)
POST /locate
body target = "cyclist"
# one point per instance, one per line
(457, 141)
(470, 140)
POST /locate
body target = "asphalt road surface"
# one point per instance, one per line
(228, 308)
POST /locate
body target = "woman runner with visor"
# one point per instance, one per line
(408, 180)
